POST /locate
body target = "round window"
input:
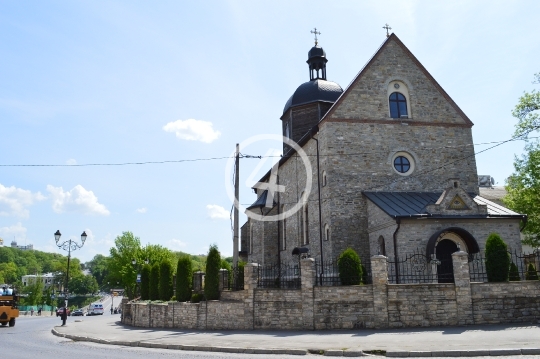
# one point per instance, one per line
(402, 164)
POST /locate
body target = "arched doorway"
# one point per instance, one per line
(443, 252)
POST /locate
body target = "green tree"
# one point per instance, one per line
(350, 267)
(531, 274)
(513, 274)
(497, 259)
(145, 282)
(184, 279)
(34, 292)
(98, 266)
(166, 289)
(154, 282)
(526, 111)
(9, 272)
(211, 279)
(127, 247)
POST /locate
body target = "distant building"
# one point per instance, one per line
(47, 279)
(1, 242)
(28, 247)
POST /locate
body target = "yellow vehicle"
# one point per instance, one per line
(8, 307)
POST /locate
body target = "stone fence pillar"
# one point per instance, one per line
(379, 275)
(462, 281)
(198, 282)
(307, 279)
(251, 273)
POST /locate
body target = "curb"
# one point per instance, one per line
(329, 352)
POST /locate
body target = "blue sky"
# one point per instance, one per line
(117, 81)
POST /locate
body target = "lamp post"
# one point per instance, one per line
(69, 245)
(138, 280)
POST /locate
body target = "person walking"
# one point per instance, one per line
(32, 312)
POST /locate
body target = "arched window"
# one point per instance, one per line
(287, 131)
(251, 238)
(324, 178)
(283, 230)
(326, 232)
(304, 221)
(382, 247)
(398, 106)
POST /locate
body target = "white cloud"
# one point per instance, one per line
(16, 231)
(77, 200)
(13, 201)
(176, 244)
(217, 212)
(193, 130)
(141, 210)
(71, 161)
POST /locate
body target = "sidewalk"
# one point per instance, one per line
(448, 341)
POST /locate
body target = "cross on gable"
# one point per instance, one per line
(387, 27)
(314, 31)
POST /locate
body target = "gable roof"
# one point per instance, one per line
(413, 204)
(393, 37)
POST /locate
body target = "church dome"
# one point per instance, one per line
(316, 51)
(314, 90)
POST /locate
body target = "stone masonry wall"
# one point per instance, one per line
(380, 305)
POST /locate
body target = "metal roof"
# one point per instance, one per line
(405, 204)
(261, 201)
(315, 90)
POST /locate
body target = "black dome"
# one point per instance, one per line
(316, 51)
(316, 90)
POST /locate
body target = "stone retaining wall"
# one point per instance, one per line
(380, 305)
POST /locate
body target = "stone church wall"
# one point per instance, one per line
(378, 305)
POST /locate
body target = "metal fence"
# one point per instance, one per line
(419, 268)
(522, 266)
(327, 274)
(279, 275)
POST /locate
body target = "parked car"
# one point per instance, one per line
(60, 311)
(95, 309)
(77, 313)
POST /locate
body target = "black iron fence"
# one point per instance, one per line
(522, 266)
(233, 279)
(327, 273)
(419, 268)
(279, 275)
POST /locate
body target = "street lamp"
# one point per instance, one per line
(138, 268)
(69, 245)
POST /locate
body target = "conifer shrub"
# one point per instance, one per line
(145, 282)
(513, 274)
(184, 279)
(166, 289)
(211, 279)
(497, 259)
(154, 282)
(531, 274)
(196, 298)
(350, 267)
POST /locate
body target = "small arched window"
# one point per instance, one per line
(324, 178)
(326, 232)
(287, 131)
(382, 247)
(398, 105)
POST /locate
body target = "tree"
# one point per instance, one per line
(154, 282)
(211, 279)
(513, 274)
(166, 289)
(184, 279)
(145, 282)
(127, 247)
(531, 272)
(98, 266)
(526, 111)
(34, 290)
(350, 267)
(497, 259)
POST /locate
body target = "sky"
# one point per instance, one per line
(115, 82)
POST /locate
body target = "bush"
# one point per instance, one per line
(184, 279)
(154, 282)
(211, 280)
(364, 274)
(497, 259)
(166, 289)
(350, 267)
(513, 274)
(531, 272)
(196, 298)
(145, 282)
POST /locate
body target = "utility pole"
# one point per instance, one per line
(236, 205)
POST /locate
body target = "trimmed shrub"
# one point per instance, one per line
(166, 289)
(531, 274)
(513, 274)
(211, 280)
(196, 298)
(350, 267)
(145, 282)
(364, 274)
(184, 279)
(154, 282)
(497, 259)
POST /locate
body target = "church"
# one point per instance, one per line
(385, 166)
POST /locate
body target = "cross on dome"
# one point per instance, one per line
(314, 31)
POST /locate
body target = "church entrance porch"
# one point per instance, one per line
(444, 250)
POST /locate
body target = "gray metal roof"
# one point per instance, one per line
(315, 90)
(404, 204)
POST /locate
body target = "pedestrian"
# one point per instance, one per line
(32, 312)
(39, 311)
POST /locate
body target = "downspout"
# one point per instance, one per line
(278, 228)
(320, 211)
(396, 266)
